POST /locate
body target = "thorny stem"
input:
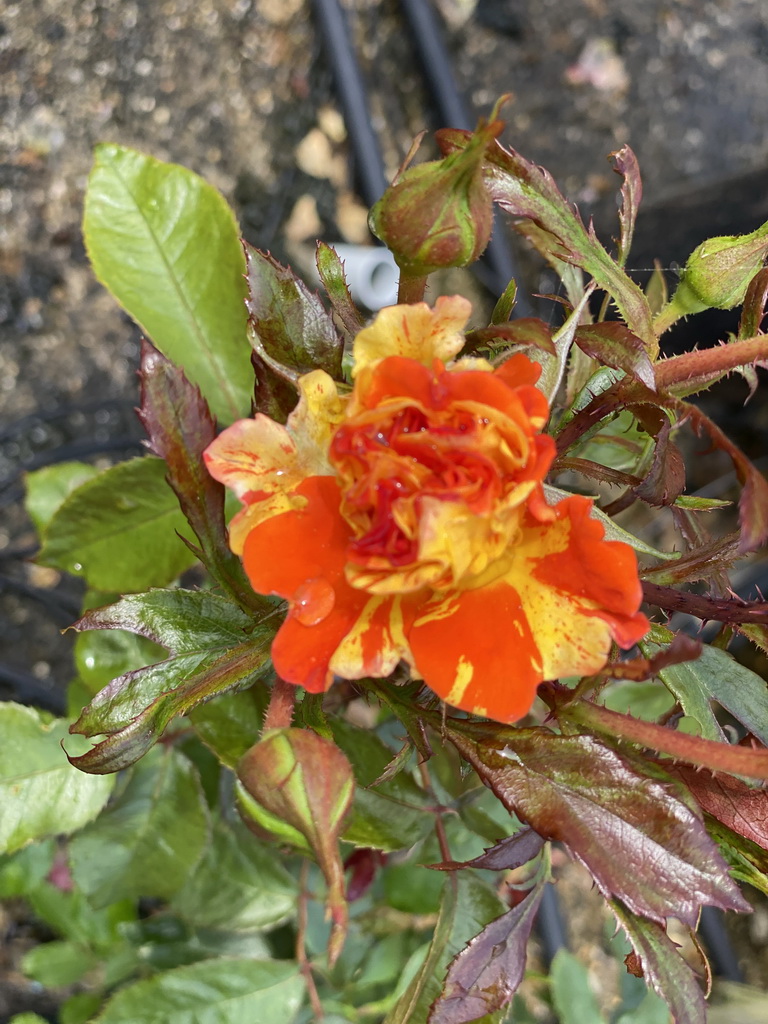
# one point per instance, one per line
(718, 757)
(301, 953)
(710, 361)
(411, 288)
(281, 701)
(703, 607)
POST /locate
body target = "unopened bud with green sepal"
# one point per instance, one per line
(717, 275)
(439, 214)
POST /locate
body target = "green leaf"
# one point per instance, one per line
(47, 488)
(331, 271)
(239, 885)
(307, 781)
(80, 1008)
(608, 811)
(57, 964)
(180, 427)
(119, 530)
(391, 815)
(166, 245)
(220, 991)
(41, 794)
(685, 684)
(27, 1018)
(663, 967)
(149, 838)
(102, 655)
(571, 994)
(214, 646)
(468, 905)
(230, 725)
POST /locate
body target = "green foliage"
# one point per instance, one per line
(227, 854)
(120, 530)
(166, 245)
(41, 794)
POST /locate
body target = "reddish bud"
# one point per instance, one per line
(439, 214)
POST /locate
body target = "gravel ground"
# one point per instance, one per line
(241, 92)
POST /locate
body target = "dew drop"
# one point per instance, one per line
(313, 602)
(77, 567)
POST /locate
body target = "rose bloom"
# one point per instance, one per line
(406, 520)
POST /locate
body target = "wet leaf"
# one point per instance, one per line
(148, 839)
(292, 328)
(41, 794)
(575, 790)
(663, 968)
(120, 530)
(46, 490)
(613, 344)
(307, 782)
(625, 163)
(180, 427)
(166, 245)
(213, 646)
(510, 853)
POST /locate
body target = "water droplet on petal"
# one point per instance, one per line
(313, 602)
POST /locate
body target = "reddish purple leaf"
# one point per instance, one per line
(625, 163)
(180, 427)
(740, 807)
(362, 865)
(292, 327)
(662, 967)
(576, 790)
(484, 977)
(613, 344)
(665, 480)
(504, 856)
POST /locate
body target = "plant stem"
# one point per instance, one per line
(718, 757)
(301, 953)
(707, 362)
(280, 711)
(411, 288)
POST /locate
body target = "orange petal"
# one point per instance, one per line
(475, 649)
(416, 332)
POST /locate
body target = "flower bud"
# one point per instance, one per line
(439, 214)
(718, 272)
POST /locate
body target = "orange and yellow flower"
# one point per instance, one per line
(406, 520)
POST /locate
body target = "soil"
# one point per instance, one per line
(242, 92)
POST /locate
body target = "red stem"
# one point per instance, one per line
(280, 711)
(709, 361)
(718, 757)
(411, 288)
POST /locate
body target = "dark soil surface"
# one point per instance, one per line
(241, 91)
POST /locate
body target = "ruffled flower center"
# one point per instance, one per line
(432, 490)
